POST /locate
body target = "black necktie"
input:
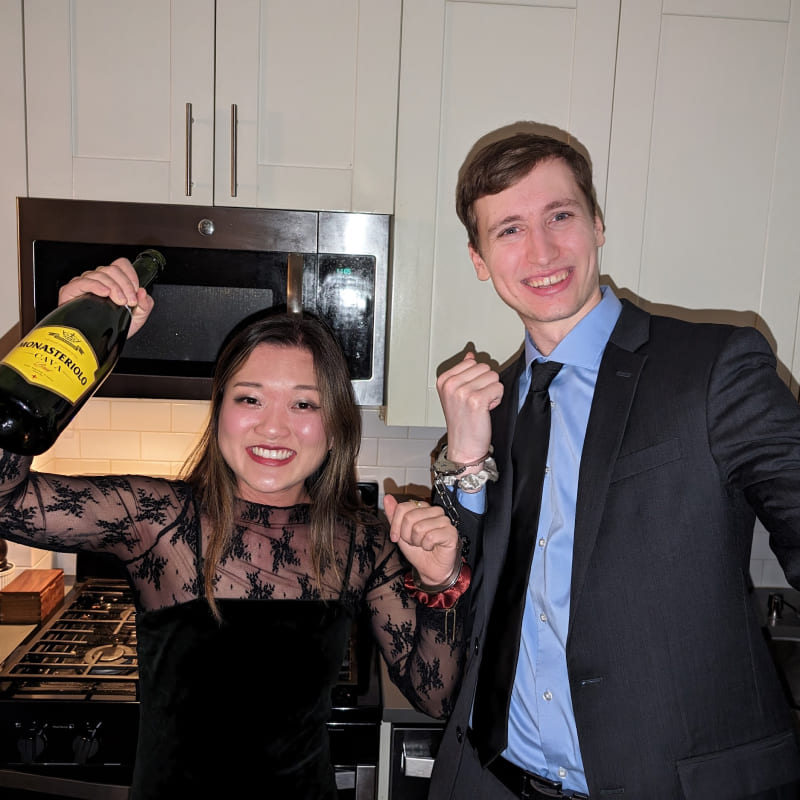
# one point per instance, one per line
(499, 662)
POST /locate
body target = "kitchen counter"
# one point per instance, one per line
(12, 636)
(783, 632)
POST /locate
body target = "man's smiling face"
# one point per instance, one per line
(538, 245)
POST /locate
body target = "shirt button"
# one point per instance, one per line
(459, 733)
(543, 617)
(476, 645)
(562, 773)
(548, 695)
(542, 542)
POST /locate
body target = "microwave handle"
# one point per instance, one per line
(294, 284)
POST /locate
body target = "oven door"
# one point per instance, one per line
(28, 786)
(413, 749)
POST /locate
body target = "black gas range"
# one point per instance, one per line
(69, 704)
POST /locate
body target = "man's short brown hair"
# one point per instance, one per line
(501, 164)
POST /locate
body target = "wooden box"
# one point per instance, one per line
(32, 596)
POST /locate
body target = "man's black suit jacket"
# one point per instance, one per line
(691, 434)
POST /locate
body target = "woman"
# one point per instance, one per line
(248, 570)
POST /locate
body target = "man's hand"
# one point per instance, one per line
(468, 392)
(426, 538)
(119, 282)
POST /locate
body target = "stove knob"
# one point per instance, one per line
(31, 745)
(85, 746)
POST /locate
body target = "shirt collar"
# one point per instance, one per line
(583, 346)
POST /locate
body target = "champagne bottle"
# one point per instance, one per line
(48, 377)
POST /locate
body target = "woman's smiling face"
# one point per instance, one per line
(271, 432)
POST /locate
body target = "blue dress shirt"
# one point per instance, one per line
(542, 736)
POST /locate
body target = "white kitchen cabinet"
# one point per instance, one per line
(12, 159)
(469, 68)
(107, 83)
(704, 167)
(306, 103)
(133, 101)
(689, 110)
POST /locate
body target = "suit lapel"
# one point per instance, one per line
(616, 385)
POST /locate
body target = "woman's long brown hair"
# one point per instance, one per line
(333, 489)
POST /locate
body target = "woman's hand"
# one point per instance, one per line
(119, 282)
(426, 538)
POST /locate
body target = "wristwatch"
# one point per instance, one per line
(472, 482)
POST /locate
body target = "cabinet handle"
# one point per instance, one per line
(234, 131)
(188, 170)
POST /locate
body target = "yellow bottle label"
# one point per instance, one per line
(56, 358)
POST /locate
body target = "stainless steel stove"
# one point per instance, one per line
(69, 706)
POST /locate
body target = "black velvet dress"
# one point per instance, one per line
(251, 695)
(242, 704)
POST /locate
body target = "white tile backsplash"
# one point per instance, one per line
(164, 446)
(96, 414)
(111, 444)
(153, 437)
(368, 454)
(26, 557)
(135, 415)
(189, 416)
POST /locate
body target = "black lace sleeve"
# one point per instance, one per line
(133, 518)
(423, 647)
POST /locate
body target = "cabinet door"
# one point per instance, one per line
(12, 159)
(306, 103)
(469, 68)
(704, 167)
(108, 83)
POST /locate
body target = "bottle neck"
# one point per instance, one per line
(148, 266)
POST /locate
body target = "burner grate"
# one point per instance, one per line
(93, 638)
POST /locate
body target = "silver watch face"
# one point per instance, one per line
(472, 481)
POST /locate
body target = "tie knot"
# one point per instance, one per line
(542, 373)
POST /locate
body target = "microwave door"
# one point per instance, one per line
(294, 283)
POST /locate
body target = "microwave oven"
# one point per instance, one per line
(222, 264)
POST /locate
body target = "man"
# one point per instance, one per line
(641, 670)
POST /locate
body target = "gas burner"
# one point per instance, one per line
(102, 601)
(108, 653)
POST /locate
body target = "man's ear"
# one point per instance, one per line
(599, 232)
(481, 270)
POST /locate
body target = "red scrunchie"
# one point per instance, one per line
(447, 598)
